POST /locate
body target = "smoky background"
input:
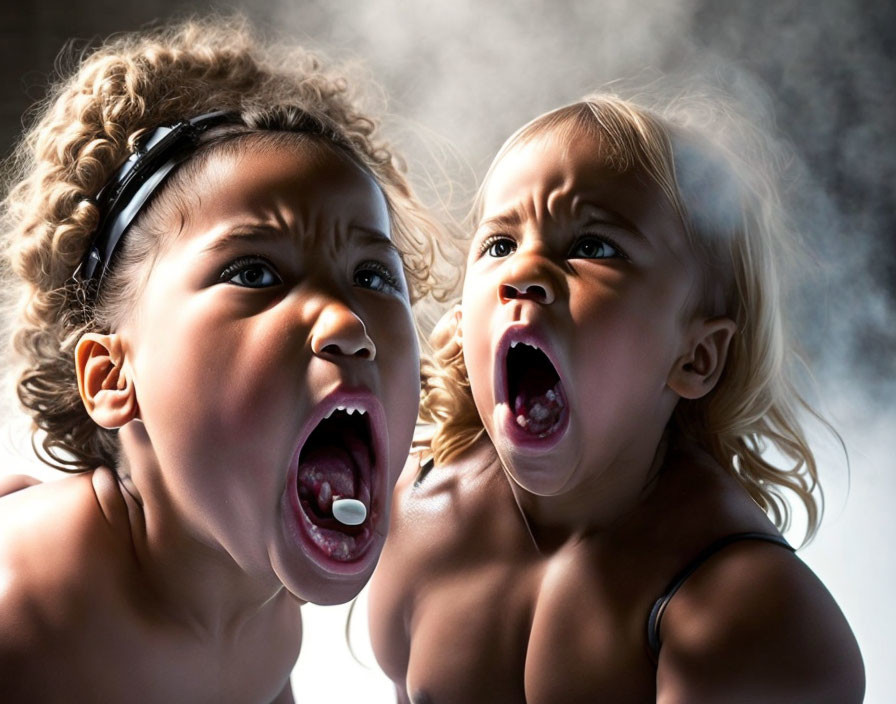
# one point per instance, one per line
(455, 79)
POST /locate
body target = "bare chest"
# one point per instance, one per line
(113, 659)
(539, 633)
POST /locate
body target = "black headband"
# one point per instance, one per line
(120, 201)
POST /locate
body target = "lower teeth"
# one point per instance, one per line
(536, 418)
(539, 412)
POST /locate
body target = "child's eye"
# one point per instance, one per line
(591, 247)
(498, 246)
(251, 272)
(376, 277)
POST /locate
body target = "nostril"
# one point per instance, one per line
(536, 292)
(532, 292)
(508, 292)
(336, 349)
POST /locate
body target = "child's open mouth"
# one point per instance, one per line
(534, 391)
(336, 469)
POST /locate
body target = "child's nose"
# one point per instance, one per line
(527, 281)
(532, 292)
(339, 332)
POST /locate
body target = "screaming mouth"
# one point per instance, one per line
(535, 392)
(335, 472)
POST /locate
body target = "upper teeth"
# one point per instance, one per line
(519, 342)
(347, 409)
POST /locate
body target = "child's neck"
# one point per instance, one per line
(199, 586)
(597, 504)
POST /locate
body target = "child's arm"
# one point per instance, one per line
(388, 630)
(755, 624)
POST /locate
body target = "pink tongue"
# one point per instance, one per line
(325, 472)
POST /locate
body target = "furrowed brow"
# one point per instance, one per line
(603, 216)
(372, 237)
(254, 234)
(259, 234)
(509, 219)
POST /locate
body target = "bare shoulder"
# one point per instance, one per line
(54, 547)
(438, 510)
(11, 483)
(754, 623)
(422, 495)
(437, 529)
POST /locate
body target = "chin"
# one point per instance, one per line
(331, 594)
(540, 478)
(541, 465)
(314, 584)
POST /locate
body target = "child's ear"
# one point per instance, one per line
(104, 381)
(696, 372)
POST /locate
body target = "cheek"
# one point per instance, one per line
(476, 336)
(401, 375)
(206, 381)
(398, 360)
(625, 350)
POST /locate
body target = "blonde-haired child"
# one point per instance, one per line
(595, 519)
(212, 257)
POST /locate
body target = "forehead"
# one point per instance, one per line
(308, 187)
(563, 172)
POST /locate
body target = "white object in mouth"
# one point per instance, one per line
(349, 512)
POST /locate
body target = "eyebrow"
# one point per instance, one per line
(243, 233)
(262, 233)
(371, 236)
(511, 219)
(593, 215)
(604, 216)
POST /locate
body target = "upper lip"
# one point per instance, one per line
(518, 332)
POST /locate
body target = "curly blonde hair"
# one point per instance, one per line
(88, 125)
(721, 176)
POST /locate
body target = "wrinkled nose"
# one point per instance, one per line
(527, 280)
(339, 332)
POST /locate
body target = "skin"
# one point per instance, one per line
(181, 580)
(526, 571)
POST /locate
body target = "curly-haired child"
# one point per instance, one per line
(213, 259)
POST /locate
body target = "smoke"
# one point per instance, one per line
(457, 78)
(828, 66)
(467, 74)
